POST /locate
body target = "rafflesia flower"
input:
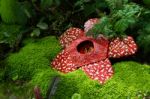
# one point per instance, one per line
(86, 53)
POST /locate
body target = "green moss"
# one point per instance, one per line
(76, 82)
(42, 79)
(129, 79)
(32, 57)
(33, 60)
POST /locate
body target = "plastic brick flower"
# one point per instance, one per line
(89, 54)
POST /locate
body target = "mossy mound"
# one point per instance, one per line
(33, 56)
(131, 80)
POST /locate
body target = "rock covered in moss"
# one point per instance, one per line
(33, 56)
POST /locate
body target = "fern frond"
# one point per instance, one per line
(118, 21)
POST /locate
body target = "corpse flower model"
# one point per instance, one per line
(90, 54)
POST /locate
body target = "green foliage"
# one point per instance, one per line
(47, 3)
(12, 12)
(119, 19)
(116, 4)
(143, 39)
(143, 36)
(104, 26)
(48, 16)
(90, 6)
(33, 56)
(9, 34)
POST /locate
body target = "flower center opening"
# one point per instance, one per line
(85, 47)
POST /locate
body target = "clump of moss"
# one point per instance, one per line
(76, 82)
(43, 79)
(129, 79)
(32, 57)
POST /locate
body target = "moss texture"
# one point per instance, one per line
(131, 79)
(33, 56)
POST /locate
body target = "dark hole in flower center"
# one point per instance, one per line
(85, 47)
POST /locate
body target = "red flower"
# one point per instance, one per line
(89, 54)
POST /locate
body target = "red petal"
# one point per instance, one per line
(122, 47)
(70, 35)
(63, 62)
(90, 23)
(100, 71)
(131, 45)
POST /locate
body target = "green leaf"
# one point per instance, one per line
(42, 25)
(27, 13)
(35, 33)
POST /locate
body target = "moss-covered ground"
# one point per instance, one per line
(32, 66)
